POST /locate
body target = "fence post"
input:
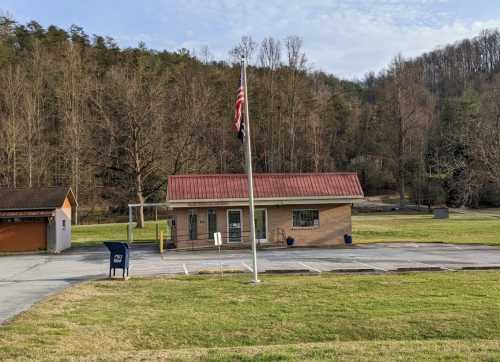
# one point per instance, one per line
(156, 221)
(129, 229)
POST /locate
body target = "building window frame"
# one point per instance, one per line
(305, 218)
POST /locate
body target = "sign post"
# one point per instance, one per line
(218, 243)
(161, 242)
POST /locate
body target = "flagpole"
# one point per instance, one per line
(248, 158)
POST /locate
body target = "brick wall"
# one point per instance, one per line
(334, 222)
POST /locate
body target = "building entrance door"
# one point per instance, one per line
(234, 226)
(261, 225)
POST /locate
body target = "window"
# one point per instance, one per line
(212, 223)
(192, 224)
(64, 224)
(305, 218)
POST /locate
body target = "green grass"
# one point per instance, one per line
(96, 234)
(423, 228)
(452, 315)
(366, 229)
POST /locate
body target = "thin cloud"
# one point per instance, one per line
(345, 37)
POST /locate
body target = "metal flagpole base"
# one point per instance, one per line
(255, 282)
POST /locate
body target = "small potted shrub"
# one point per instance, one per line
(348, 239)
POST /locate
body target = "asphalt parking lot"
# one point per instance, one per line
(26, 279)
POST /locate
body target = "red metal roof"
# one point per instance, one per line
(271, 185)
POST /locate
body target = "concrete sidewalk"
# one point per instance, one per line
(26, 279)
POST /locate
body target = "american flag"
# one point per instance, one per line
(239, 123)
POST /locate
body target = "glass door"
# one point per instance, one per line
(212, 223)
(234, 226)
(192, 225)
(261, 225)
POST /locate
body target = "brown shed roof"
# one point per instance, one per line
(36, 198)
(266, 186)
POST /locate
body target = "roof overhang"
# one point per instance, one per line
(71, 197)
(316, 200)
(26, 213)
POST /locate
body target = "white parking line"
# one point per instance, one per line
(310, 267)
(246, 266)
(370, 266)
(185, 269)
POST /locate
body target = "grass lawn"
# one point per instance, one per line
(96, 234)
(423, 228)
(367, 228)
(422, 316)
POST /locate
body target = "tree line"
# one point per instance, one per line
(114, 123)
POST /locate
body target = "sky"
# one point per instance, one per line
(347, 38)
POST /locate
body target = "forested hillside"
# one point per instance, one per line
(114, 123)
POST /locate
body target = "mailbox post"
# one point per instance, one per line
(119, 257)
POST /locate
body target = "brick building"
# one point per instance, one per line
(312, 208)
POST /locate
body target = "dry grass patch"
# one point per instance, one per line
(285, 318)
(440, 350)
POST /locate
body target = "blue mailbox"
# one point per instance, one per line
(119, 256)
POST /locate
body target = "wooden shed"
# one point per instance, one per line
(34, 219)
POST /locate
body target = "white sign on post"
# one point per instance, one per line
(217, 239)
(218, 242)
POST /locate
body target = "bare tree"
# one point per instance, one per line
(296, 64)
(488, 142)
(190, 113)
(270, 60)
(410, 118)
(245, 48)
(11, 131)
(296, 57)
(33, 99)
(73, 95)
(130, 117)
(270, 53)
(205, 55)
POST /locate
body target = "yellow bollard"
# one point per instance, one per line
(161, 242)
